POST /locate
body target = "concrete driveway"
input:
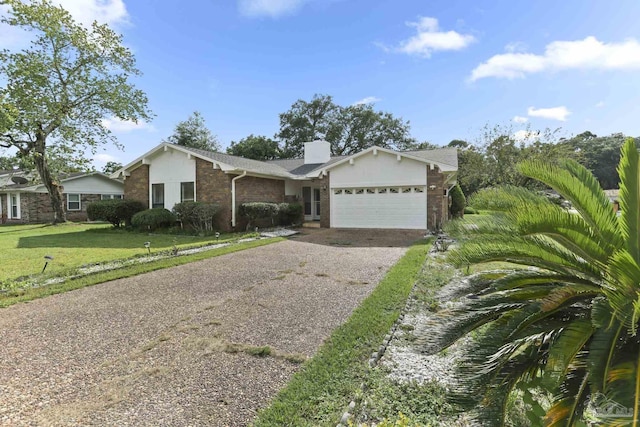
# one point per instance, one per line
(173, 347)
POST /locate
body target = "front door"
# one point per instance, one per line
(316, 204)
(311, 197)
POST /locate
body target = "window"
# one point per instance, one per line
(360, 191)
(306, 197)
(14, 205)
(187, 192)
(406, 190)
(337, 191)
(393, 190)
(418, 190)
(157, 195)
(371, 191)
(347, 191)
(382, 191)
(73, 202)
(110, 196)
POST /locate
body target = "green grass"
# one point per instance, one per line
(14, 297)
(423, 404)
(317, 395)
(23, 247)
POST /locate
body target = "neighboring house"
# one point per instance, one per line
(614, 197)
(375, 188)
(23, 198)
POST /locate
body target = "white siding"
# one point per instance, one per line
(379, 192)
(383, 169)
(93, 185)
(170, 168)
(293, 188)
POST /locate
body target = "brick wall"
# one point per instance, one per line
(253, 189)
(36, 207)
(136, 185)
(325, 206)
(214, 186)
(437, 202)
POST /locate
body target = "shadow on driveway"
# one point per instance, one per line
(359, 238)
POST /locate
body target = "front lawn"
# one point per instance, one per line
(71, 245)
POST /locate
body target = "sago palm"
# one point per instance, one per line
(568, 321)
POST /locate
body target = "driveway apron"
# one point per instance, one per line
(177, 346)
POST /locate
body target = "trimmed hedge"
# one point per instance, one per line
(289, 213)
(458, 202)
(153, 219)
(114, 211)
(198, 215)
(254, 211)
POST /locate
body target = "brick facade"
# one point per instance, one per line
(325, 201)
(36, 208)
(136, 185)
(214, 186)
(437, 201)
(253, 189)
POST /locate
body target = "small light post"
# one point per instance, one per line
(148, 246)
(217, 235)
(47, 258)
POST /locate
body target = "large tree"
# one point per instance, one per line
(566, 321)
(255, 147)
(348, 129)
(63, 86)
(194, 133)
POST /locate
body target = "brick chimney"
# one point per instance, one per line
(317, 152)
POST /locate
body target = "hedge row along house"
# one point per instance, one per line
(375, 188)
(24, 199)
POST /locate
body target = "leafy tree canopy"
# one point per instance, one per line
(194, 133)
(348, 129)
(111, 167)
(62, 86)
(255, 147)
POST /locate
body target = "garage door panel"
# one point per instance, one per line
(388, 210)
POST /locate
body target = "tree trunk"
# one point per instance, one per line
(53, 187)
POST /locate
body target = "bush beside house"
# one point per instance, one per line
(198, 216)
(115, 211)
(153, 219)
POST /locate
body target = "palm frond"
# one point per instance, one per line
(569, 404)
(575, 183)
(629, 172)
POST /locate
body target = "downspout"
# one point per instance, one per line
(233, 198)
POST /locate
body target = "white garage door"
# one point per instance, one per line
(380, 207)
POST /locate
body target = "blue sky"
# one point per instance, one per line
(449, 67)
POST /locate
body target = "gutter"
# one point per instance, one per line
(233, 198)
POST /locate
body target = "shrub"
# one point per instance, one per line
(115, 211)
(458, 202)
(153, 219)
(469, 210)
(198, 215)
(257, 210)
(289, 213)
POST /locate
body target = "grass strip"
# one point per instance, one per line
(14, 297)
(320, 391)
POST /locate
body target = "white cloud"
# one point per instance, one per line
(525, 135)
(589, 53)
(114, 124)
(270, 8)
(515, 47)
(554, 113)
(520, 119)
(104, 158)
(429, 38)
(112, 12)
(600, 104)
(367, 100)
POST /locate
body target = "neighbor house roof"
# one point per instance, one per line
(34, 184)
